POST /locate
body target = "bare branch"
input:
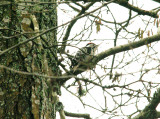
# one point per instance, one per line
(126, 47)
(71, 25)
(125, 3)
(86, 116)
(51, 29)
(118, 49)
(157, 1)
(150, 110)
(34, 74)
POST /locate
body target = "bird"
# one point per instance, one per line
(83, 55)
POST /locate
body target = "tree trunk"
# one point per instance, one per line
(21, 95)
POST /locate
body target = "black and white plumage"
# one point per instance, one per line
(83, 56)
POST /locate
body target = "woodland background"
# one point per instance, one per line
(37, 37)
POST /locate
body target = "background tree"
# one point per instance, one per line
(35, 58)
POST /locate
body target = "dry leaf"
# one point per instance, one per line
(142, 34)
(154, 22)
(148, 33)
(151, 31)
(157, 23)
(139, 30)
(98, 23)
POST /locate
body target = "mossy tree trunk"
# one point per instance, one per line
(21, 95)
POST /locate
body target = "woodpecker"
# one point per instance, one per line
(84, 55)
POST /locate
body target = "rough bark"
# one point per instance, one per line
(25, 96)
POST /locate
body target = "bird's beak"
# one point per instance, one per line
(98, 45)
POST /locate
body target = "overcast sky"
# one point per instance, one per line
(105, 36)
